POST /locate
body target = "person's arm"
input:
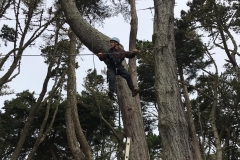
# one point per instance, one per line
(131, 54)
(101, 56)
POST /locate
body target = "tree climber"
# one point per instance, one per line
(113, 60)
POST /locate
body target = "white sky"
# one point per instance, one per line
(33, 69)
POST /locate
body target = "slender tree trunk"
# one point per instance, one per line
(194, 139)
(217, 141)
(36, 107)
(73, 92)
(132, 119)
(132, 45)
(31, 116)
(173, 127)
(72, 119)
(52, 151)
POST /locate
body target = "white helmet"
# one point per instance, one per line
(115, 39)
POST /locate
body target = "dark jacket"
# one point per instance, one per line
(115, 57)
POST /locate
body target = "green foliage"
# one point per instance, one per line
(212, 13)
(8, 34)
(62, 50)
(146, 70)
(94, 10)
(154, 145)
(12, 122)
(33, 4)
(189, 50)
(98, 10)
(93, 102)
(227, 114)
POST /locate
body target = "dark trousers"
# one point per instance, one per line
(111, 74)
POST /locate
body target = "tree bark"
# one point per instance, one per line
(98, 42)
(73, 89)
(132, 45)
(72, 120)
(217, 141)
(173, 127)
(194, 139)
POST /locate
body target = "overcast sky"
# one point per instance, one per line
(33, 70)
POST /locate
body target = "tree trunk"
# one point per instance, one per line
(98, 42)
(31, 116)
(217, 141)
(132, 45)
(71, 118)
(218, 154)
(194, 139)
(36, 107)
(52, 151)
(173, 127)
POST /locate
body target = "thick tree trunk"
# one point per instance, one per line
(98, 42)
(72, 120)
(132, 121)
(173, 127)
(89, 36)
(194, 139)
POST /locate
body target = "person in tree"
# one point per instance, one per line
(113, 59)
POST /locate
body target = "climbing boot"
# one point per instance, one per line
(135, 92)
(111, 95)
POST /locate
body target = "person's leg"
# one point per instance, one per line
(124, 73)
(111, 81)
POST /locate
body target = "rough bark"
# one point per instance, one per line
(173, 127)
(217, 141)
(89, 36)
(132, 45)
(132, 121)
(72, 120)
(73, 92)
(194, 138)
(218, 154)
(96, 42)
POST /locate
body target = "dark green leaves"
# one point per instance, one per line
(8, 34)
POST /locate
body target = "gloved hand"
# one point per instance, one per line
(135, 51)
(100, 54)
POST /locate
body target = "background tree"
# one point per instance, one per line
(5, 4)
(18, 34)
(220, 20)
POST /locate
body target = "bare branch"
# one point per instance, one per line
(197, 89)
(112, 129)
